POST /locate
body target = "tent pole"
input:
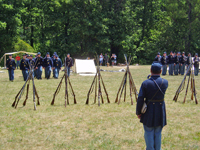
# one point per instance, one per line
(5, 61)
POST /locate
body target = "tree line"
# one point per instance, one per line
(139, 28)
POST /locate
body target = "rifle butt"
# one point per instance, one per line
(196, 100)
(52, 103)
(108, 99)
(87, 101)
(13, 104)
(38, 101)
(116, 100)
(192, 96)
(184, 100)
(24, 103)
(75, 100)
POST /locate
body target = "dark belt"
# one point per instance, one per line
(157, 100)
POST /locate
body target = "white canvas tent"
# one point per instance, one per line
(85, 67)
(4, 56)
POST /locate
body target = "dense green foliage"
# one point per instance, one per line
(83, 27)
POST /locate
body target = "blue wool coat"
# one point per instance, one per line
(156, 112)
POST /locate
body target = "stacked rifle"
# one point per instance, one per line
(96, 83)
(67, 80)
(122, 87)
(21, 92)
(190, 82)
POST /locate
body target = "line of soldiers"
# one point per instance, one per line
(177, 62)
(47, 63)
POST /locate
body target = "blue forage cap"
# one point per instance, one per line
(171, 52)
(179, 52)
(164, 53)
(196, 54)
(38, 53)
(56, 56)
(10, 54)
(47, 53)
(31, 55)
(55, 53)
(158, 53)
(156, 66)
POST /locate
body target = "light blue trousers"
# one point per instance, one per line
(56, 72)
(152, 136)
(39, 72)
(47, 72)
(11, 74)
(171, 69)
(25, 74)
(176, 67)
(164, 69)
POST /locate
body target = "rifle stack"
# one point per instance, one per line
(191, 81)
(67, 81)
(21, 92)
(96, 83)
(123, 84)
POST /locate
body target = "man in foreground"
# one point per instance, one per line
(154, 119)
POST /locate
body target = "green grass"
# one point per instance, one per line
(81, 126)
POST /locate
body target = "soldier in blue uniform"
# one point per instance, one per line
(196, 64)
(35, 70)
(171, 63)
(176, 64)
(38, 66)
(24, 66)
(31, 63)
(53, 58)
(47, 64)
(183, 60)
(164, 64)
(152, 91)
(68, 63)
(179, 69)
(188, 62)
(158, 58)
(57, 64)
(11, 65)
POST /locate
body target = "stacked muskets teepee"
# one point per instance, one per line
(123, 84)
(96, 83)
(27, 82)
(191, 81)
(67, 80)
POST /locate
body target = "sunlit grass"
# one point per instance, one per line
(81, 126)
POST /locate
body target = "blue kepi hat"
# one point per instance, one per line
(156, 66)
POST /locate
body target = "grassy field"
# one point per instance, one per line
(81, 126)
